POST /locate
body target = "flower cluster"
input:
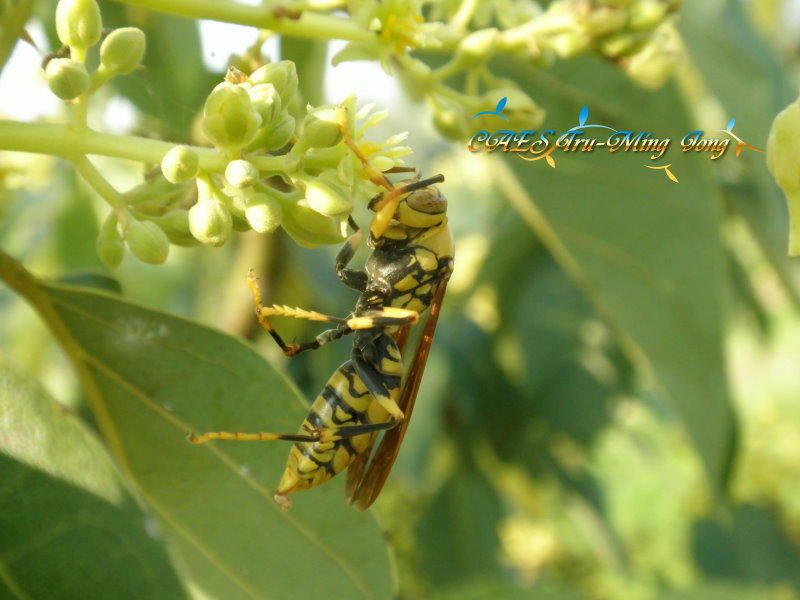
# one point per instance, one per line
(274, 166)
(309, 193)
(79, 27)
(638, 35)
(276, 170)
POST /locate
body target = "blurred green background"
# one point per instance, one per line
(610, 408)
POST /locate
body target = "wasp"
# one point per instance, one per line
(405, 275)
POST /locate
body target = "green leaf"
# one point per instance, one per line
(151, 378)
(768, 91)
(750, 547)
(729, 591)
(453, 543)
(70, 530)
(13, 17)
(644, 250)
(498, 589)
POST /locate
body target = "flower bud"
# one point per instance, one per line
(646, 14)
(282, 75)
(66, 78)
(122, 50)
(476, 48)
(229, 119)
(210, 222)
(267, 102)
(109, 244)
(569, 43)
(147, 241)
(263, 213)
(210, 219)
(618, 44)
(603, 20)
(321, 128)
(180, 164)
(241, 174)
(522, 111)
(783, 161)
(651, 66)
(328, 196)
(78, 23)
(176, 225)
(448, 118)
(276, 136)
(311, 229)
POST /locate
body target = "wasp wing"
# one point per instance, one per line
(362, 492)
(355, 472)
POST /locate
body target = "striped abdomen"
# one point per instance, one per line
(345, 400)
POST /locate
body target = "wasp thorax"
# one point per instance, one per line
(422, 208)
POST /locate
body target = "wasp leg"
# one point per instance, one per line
(288, 349)
(262, 312)
(352, 278)
(327, 434)
(387, 316)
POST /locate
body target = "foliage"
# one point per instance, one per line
(606, 412)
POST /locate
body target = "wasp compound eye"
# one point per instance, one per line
(422, 209)
(428, 200)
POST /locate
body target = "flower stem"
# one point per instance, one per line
(99, 183)
(63, 141)
(309, 25)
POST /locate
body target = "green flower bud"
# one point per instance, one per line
(328, 196)
(180, 164)
(783, 161)
(66, 78)
(657, 60)
(522, 112)
(309, 228)
(229, 119)
(109, 244)
(210, 222)
(476, 48)
(282, 75)
(210, 219)
(321, 128)
(449, 119)
(277, 136)
(569, 43)
(241, 174)
(618, 44)
(122, 50)
(646, 14)
(147, 241)
(604, 20)
(267, 102)
(176, 225)
(78, 23)
(263, 213)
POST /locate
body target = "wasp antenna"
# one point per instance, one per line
(423, 183)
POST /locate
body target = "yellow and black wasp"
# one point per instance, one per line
(406, 273)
